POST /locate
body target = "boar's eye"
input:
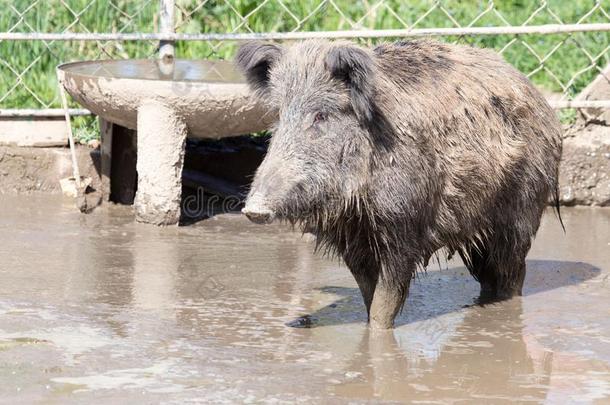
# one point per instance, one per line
(319, 117)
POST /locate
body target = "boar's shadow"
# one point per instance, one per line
(435, 293)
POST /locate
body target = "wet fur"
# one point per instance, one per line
(458, 151)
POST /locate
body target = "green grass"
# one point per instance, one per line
(568, 116)
(85, 129)
(217, 16)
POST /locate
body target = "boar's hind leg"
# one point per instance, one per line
(499, 266)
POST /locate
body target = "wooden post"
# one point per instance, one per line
(106, 129)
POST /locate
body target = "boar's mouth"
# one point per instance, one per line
(259, 217)
(285, 199)
(261, 213)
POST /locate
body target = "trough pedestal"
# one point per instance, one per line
(161, 141)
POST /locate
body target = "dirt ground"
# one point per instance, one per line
(98, 309)
(584, 173)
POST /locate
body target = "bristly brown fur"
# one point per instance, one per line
(422, 146)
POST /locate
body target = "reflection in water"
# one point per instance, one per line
(112, 274)
(486, 360)
(156, 263)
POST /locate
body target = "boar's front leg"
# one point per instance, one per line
(383, 295)
(390, 295)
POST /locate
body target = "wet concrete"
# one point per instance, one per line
(98, 308)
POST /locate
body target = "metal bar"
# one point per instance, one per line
(166, 25)
(561, 104)
(46, 112)
(415, 32)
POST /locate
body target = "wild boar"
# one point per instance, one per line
(391, 154)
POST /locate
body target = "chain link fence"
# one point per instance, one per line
(560, 45)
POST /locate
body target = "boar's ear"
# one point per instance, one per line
(254, 59)
(354, 66)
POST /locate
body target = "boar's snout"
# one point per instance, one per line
(257, 211)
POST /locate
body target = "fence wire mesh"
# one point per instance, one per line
(560, 63)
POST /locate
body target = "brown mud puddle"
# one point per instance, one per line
(97, 308)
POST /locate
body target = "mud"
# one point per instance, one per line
(98, 308)
(584, 176)
(25, 170)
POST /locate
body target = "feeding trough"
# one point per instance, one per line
(165, 102)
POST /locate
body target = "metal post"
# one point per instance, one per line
(166, 25)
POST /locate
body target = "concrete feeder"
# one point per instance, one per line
(165, 103)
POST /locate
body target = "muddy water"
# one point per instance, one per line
(99, 309)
